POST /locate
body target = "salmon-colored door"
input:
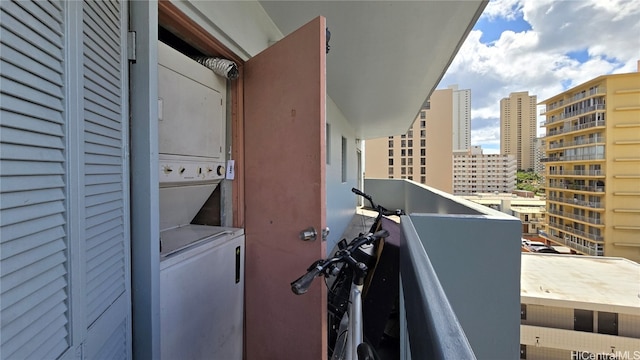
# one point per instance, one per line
(284, 136)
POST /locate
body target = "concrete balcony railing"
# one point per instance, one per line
(587, 250)
(569, 129)
(586, 219)
(572, 231)
(599, 173)
(574, 201)
(576, 232)
(588, 188)
(584, 157)
(558, 145)
(453, 250)
(575, 113)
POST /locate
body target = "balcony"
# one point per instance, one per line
(574, 201)
(573, 231)
(574, 128)
(587, 188)
(573, 245)
(596, 173)
(575, 113)
(559, 145)
(585, 219)
(445, 251)
(588, 157)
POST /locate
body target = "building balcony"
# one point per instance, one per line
(573, 231)
(560, 145)
(576, 97)
(586, 250)
(570, 129)
(570, 340)
(563, 116)
(576, 202)
(585, 219)
(444, 247)
(577, 173)
(586, 188)
(587, 157)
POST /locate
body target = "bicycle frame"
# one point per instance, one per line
(354, 336)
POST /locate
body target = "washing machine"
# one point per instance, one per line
(201, 266)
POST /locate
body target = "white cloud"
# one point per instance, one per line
(537, 60)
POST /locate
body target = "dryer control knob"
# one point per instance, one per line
(220, 170)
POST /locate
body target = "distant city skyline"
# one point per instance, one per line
(543, 47)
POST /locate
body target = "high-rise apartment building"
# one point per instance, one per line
(592, 166)
(475, 172)
(425, 153)
(461, 120)
(518, 128)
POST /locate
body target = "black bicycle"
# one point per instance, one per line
(348, 271)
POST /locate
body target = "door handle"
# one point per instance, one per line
(310, 234)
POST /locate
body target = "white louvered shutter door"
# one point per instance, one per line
(33, 251)
(105, 179)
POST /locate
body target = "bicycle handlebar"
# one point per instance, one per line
(301, 285)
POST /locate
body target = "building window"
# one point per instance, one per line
(403, 161)
(523, 351)
(410, 161)
(423, 170)
(423, 114)
(607, 323)
(390, 152)
(344, 159)
(410, 152)
(583, 320)
(391, 171)
(403, 171)
(410, 134)
(403, 152)
(390, 162)
(423, 152)
(423, 124)
(423, 133)
(523, 311)
(390, 143)
(423, 143)
(410, 143)
(403, 143)
(423, 161)
(423, 179)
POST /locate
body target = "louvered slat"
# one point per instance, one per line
(116, 346)
(103, 157)
(33, 265)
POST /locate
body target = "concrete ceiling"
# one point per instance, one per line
(386, 56)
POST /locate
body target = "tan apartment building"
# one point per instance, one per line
(564, 317)
(518, 128)
(425, 153)
(592, 166)
(530, 210)
(475, 172)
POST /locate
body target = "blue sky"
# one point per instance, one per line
(543, 47)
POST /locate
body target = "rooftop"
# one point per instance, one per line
(591, 283)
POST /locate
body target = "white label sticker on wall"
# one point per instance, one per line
(231, 171)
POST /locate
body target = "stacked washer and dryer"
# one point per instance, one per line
(201, 266)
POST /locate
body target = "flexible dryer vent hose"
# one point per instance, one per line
(222, 67)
